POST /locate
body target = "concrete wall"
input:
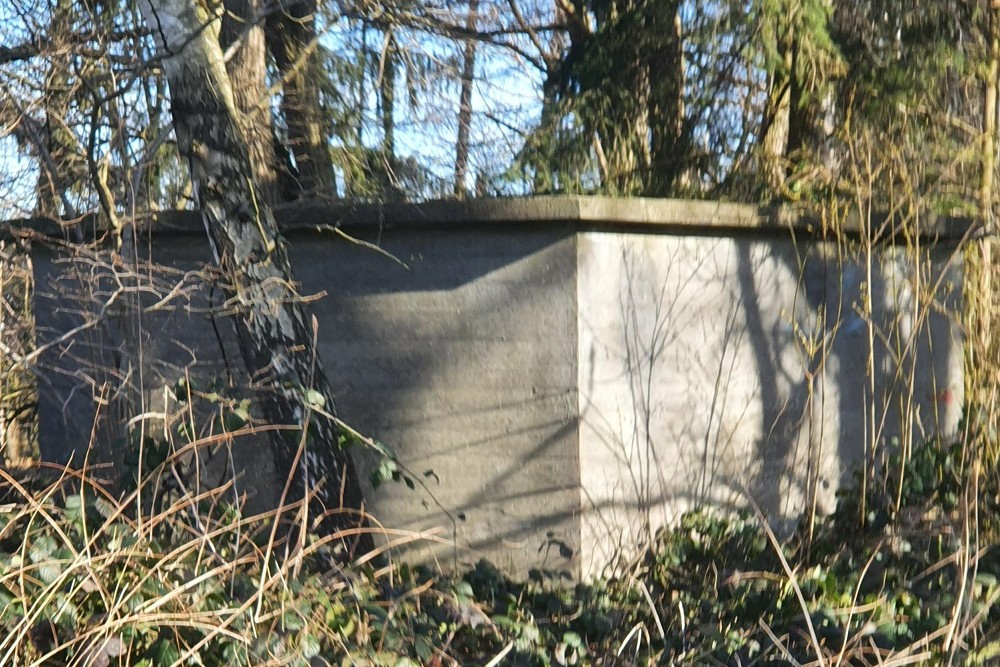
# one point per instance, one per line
(464, 363)
(458, 352)
(714, 369)
(562, 375)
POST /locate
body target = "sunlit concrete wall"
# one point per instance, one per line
(716, 370)
(560, 376)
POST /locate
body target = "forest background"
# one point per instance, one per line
(833, 106)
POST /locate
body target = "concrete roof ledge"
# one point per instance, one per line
(591, 211)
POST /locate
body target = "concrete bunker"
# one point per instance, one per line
(562, 374)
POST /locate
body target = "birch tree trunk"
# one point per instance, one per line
(274, 338)
(465, 104)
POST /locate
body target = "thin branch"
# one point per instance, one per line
(39, 45)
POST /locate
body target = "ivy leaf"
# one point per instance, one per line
(387, 470)
(165, 653)
(104, 507)
(292, 621)
(49, 572)
(309, 646)
(315, 399)
(41, 549)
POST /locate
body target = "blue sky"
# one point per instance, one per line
(505, 88)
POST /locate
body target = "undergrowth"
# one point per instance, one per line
(84, 581)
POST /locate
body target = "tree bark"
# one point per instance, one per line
(778, 117)
(18, 386)
(274, 337)
(292, 40)
(623, 130)
(387, 100)
(58, 97)
(666, 113)
(247, 74)
(465, 104)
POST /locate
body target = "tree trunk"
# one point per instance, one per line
(774, 143)
(666, 111)
(247, 73)
(292, 40)
(465, 104)
(18, 386)
(624, 134)
(58, 97)
(274, 336)
(802, 120)
(387, 100)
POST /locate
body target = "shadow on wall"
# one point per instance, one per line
(712, 368)
(463, 362)
(877, 370)
(556, 393)
(116, 343)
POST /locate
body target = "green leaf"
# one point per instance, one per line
(292, 621)
(424, 648)
(104, 508)
(232, 422)
(378, 612)
(385, 471)
(315, 399)
(41, 548)
(10, 608)
(165, 653)
(347, 629)
(49, 572)
(309, 646)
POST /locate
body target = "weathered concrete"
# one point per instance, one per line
(562, 374)
(714, 369)
(463, 362)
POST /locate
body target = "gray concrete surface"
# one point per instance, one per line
(562, 375)
(715, 370)
(464, 363)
